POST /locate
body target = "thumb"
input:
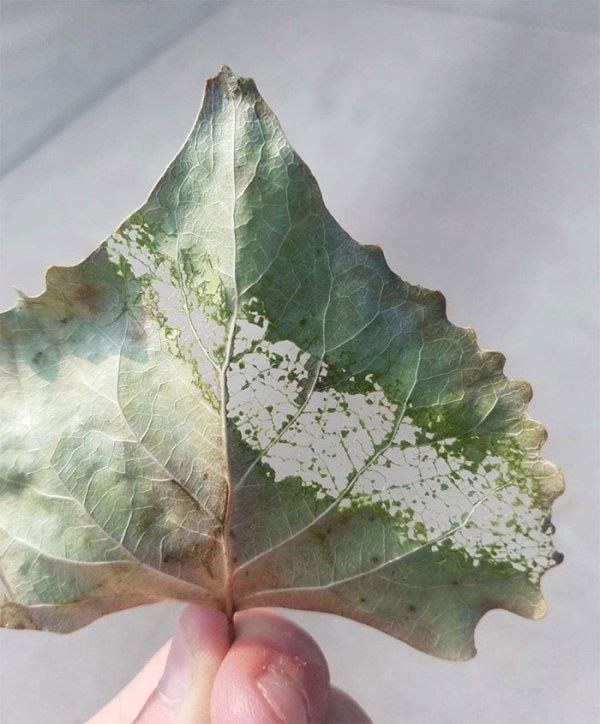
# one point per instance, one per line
(274, 673)
(182, 696)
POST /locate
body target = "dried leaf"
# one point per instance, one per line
(232, 402)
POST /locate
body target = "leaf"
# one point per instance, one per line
(232, 402)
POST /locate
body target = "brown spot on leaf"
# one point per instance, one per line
(88, 297)
(13, 615)
(195, 552)
(548, 525)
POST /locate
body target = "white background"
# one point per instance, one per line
(463, 138)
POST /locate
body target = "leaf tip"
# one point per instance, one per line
(21, 298)
(229, 85)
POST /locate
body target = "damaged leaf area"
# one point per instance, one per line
(231, 402)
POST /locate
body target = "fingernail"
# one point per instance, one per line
(177, 676)
(286, 699)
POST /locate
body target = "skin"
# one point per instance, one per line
(272, 672)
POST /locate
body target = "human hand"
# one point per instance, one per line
(272, 673)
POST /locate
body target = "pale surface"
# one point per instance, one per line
(513, 182)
